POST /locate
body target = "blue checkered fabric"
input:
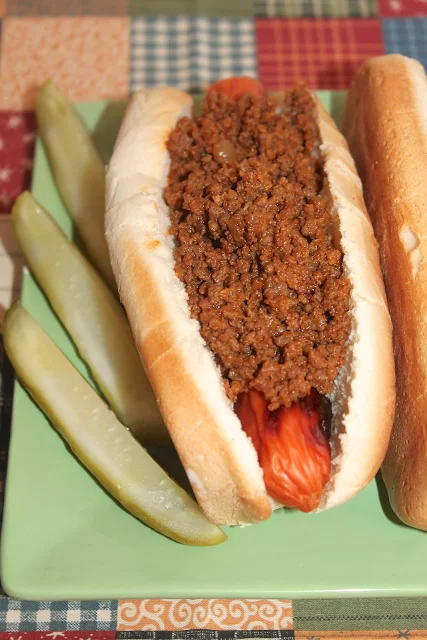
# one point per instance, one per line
(190, 52)
(316, 8)
(407, 36)
(19, 616)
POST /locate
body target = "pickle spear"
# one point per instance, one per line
(78, 170)
(98, 439)
(92, 316)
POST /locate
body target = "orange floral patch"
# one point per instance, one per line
(177, 615)
(88, 57)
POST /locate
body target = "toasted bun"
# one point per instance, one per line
(386, 125)
(219, 458)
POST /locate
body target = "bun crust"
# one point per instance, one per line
(363, 399)
(218, 457)
(386, 125)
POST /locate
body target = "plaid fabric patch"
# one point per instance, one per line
(324, 53)
(76, 615)
(67, 7)
(316, 8)
(407, 36)
(218, 8)
(190, 52)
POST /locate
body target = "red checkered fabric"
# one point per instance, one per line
(58, 635)
(17, 136)
(402, 8)
(325, 53)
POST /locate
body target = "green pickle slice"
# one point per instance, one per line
(78, 170)
(92, 316)
(98, 439)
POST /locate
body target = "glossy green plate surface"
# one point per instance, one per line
(65, 538)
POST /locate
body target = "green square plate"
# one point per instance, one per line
(64, 538)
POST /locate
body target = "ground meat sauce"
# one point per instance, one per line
(255, 245)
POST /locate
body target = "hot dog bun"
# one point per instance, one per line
(386, 125)
(219, 458)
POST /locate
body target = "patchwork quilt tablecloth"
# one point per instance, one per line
(105, 49)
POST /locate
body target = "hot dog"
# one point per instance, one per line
(385, 123)
(249, 271)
